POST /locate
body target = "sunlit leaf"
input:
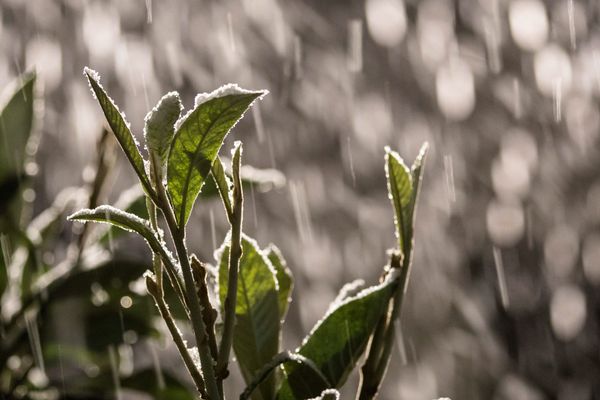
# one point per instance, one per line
(198, 138)
(119, 126)
(336, 343)
(399, 182)
(256, 330)
(284, 279)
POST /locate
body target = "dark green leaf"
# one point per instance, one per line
(10, 187)
(337, 342)
(256, 330)
(197, 141)
(284, 279)
(16, 120)
(120, 128)
(399, 182)
(160, 125)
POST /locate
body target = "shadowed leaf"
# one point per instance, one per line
(256, 330)
(284, 279)
(16, 120)
(336, 343)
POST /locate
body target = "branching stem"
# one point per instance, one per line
(235, 254)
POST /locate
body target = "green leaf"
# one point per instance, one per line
(417, 177)
(10, 188)
(198, 138)
(132, 223)
(116, 217)
(337, 342)
(16, 121)
(132, 201)
(399, 182)
(256, 329)
(120, 128)
(160, 125)
(223, 185)
(284, 279)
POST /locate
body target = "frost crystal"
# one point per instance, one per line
(160, 124)
(225, 90)
(95, 76)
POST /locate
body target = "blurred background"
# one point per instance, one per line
(503, 301)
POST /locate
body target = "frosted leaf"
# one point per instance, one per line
(348, 290)
(225, 90)
(160, 124)
(87, 71)
(333, 308)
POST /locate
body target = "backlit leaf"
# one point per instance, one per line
(198, 138)
(120, 127)
(399, 182)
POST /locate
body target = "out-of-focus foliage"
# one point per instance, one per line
(41, 344)
(503, 299)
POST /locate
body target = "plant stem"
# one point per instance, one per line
(191, 296)
(153, 289)
(235, 254)
(381, 342)
(198, 326)
(156, 261)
